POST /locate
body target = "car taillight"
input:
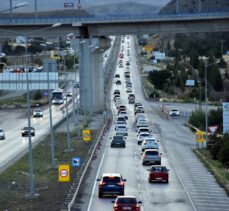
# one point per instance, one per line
(102, 183)
(144, 156)
(120, 183)
(158, 156)
(137, 208)
(115, 208)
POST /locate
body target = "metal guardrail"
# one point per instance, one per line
(111, 18)
(76, 186)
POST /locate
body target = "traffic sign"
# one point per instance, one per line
(63, 173)
(199, 136)
(86, 135)
(75, 161)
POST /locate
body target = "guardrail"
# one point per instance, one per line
(110, 18)
(70, 200)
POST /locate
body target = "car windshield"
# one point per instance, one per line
(144, 135)
(1, 130)
(151, 152)
(126, 201)
(111, 179)
(27, 128)
(159, 169)
(37, 110)
(116, 138)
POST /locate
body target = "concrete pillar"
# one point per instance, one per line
(91, 73)
(98, 82)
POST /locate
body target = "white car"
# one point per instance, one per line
(37, 112)
(2, 134)
(142, 136)
(149, 143)
(174, 112)
(128, 90)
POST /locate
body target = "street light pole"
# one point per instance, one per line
(206, 100)
(31, 178)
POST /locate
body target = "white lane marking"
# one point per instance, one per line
(93, 190)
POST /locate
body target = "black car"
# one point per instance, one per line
(118, 141)
(25, 131)
(117, 82)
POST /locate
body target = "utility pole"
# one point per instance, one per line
(79, 5)
(177, 6)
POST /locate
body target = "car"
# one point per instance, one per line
(121, 55)
(141, 123)
(131, 100)
(119, 126)
(123, 113)
(120, 122)
(127, 63)
(121, 108)
(122, 129)
(149, 143)
(151, 156)
(121, 118)
(128, 84)
(126, 203)
(69, 94)
(37, 112)
(128, 89)
(174, 112)
(117, 82)
(2, 134)
(142, 136)
(116, 92)
(136, 105)
(143, 129)
(118, 141)
(138, 110)
(120, 65)
(117, 76)
(25, 131)
(111, 184)
(158, 173)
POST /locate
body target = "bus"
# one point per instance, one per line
(58, 96)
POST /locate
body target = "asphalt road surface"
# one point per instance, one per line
(190, 187)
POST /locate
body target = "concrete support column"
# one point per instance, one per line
(91, 73)
(85, 68)
(98, 82)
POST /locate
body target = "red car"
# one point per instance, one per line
(129, 203)
(158, 173)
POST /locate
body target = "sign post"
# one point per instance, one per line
(199, 138)
(86, 135)
(63, 173)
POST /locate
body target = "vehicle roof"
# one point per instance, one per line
(111, 174)
(126, 197)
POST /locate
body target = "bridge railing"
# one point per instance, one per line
(107, 18)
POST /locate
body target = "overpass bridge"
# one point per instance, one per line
(91, 42)
(90, 26)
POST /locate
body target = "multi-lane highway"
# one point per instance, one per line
(190, 187)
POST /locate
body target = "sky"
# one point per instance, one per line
(59, 4)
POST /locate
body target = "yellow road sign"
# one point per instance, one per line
(200, 136)
(86, 135)
(148, 47)
(64, 173)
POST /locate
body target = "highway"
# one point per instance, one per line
(191, 186)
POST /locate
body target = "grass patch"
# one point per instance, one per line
(52, 195)
(220, 173)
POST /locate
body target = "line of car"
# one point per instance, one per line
(114, 183)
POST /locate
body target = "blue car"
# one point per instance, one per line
(111, 184)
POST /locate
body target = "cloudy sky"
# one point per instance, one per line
(59, 4)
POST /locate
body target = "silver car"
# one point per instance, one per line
(151, 156)
(2, 134)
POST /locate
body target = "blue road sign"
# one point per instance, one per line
(75, 161)
(186, 114)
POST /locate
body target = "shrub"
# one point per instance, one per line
(224, 151)
(197, 119)
(37, 95)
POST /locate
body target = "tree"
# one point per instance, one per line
(215, 78)
(224, 151)
(19, 50)
(6, 48)
(159, 78)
